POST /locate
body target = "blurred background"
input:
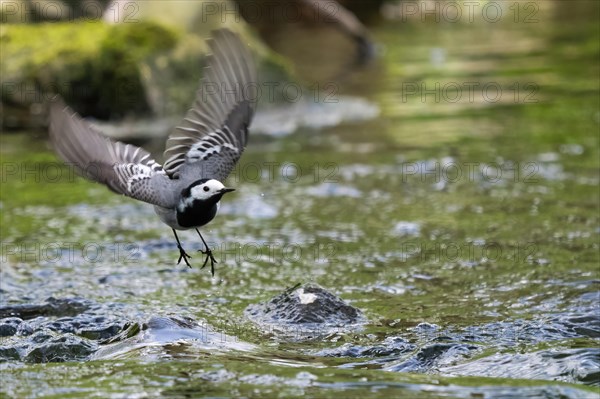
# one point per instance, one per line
(138, 58)
(433, 163)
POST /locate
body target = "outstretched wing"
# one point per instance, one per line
(212, 136)
(124, 168)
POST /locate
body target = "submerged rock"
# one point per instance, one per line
(390, 347)
(9, 326)
(433, 356)
(308, 307)
(161, 332)
(567, 365)
(62, 348)
(57, 330)
(76, 329)
(52, 307)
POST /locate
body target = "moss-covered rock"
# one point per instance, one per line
(112, 71)
(96, 66)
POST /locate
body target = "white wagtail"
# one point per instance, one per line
(200, 152)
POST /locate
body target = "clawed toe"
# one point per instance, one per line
(209, 256)
(183, 255)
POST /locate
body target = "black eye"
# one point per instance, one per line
(206, 188)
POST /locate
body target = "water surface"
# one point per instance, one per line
(461, 218)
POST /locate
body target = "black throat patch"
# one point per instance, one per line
(198, 213)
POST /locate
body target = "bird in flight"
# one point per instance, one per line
(200, 152)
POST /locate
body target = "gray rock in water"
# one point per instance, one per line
(57, 330)
(52, 307)
(309, 306)
(63, 348)
(9, 326)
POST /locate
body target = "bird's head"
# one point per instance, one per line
(209, 191)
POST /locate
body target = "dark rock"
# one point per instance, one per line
(87, 325)
(568, 365)
(159, 323)
(309, 304)
(8, 353)
(25, 329)
(392, 346)
(100, 333)
(9, 326)
(60, 349)
(433, 356)
(41, 337)
(58, 330)
(129, 330)
(52, 307)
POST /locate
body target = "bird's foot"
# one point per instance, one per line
(183, 255)
(209, 256)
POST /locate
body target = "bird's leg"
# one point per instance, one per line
(182, 254)
(208, 254)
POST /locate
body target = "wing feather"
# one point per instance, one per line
(124, 168)
(213, 134)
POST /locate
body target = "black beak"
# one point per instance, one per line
(226, 190)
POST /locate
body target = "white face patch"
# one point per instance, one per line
(206, 190)
(201, 192)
